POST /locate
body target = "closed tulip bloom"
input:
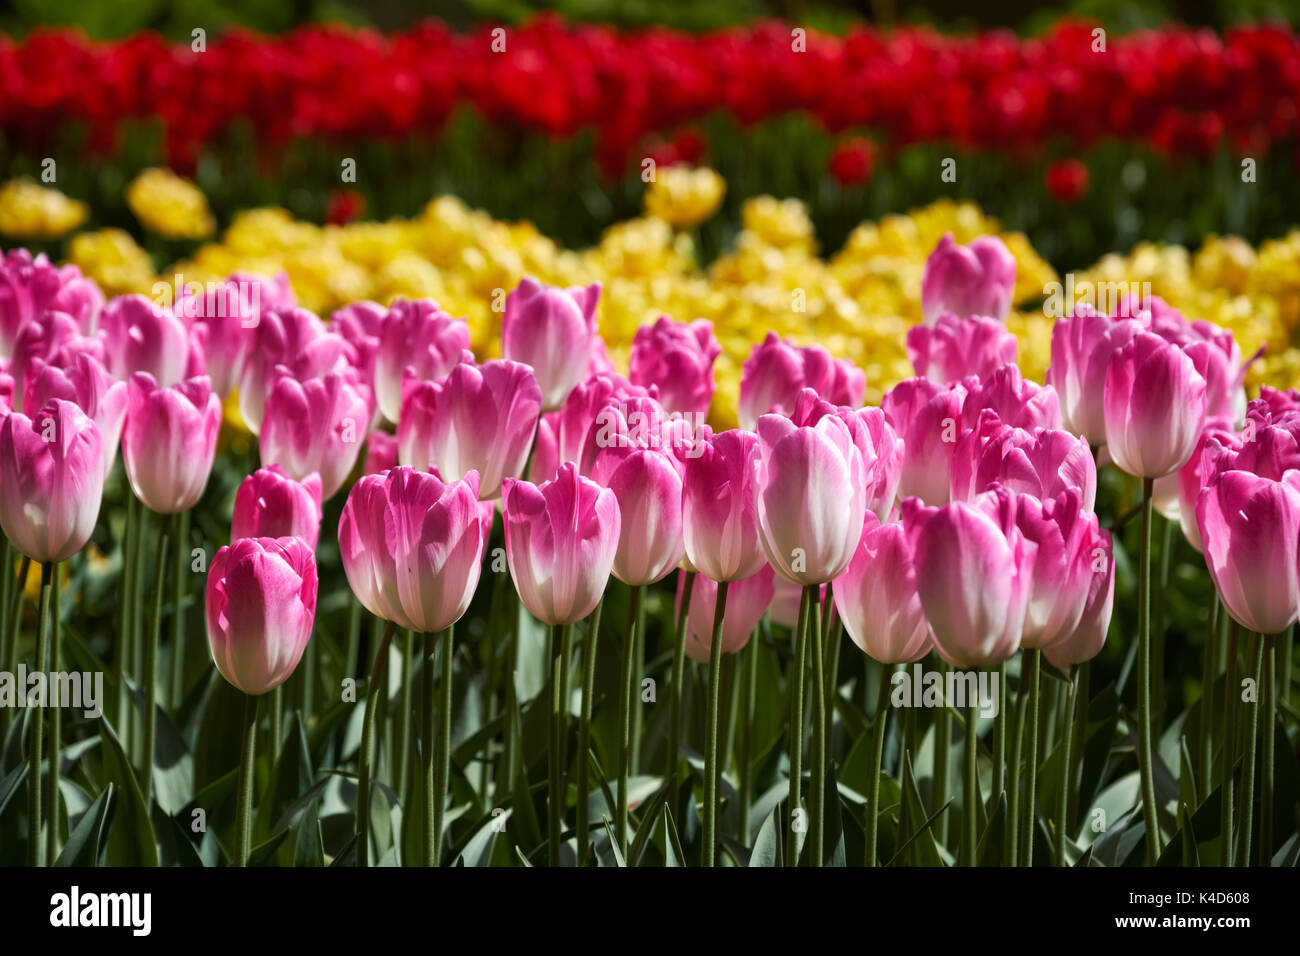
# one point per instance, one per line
(552, 330)
(978, 279)
(316, 425)
(169, 441)
(480, 418)
(369, 548)
(927, 417)
(361, 325)
(88, 385)
(954, 348)
(225, 314)
(1043, 462)
(1155, 407)
(747, 601)
(261, 604)
(1250, 528)
(286, 340)
(877, 599)
(878, 445)
(52, 339)
(776, 372)
(809, 497)
(270, 504)
(1081, 349)
(677, 358)
(974, 577)
(718, 518)
(1215, 451)
(561, 539)
(418, 336)
(1090, 636)
(141, 336)
(1269, 444)
(562, 434)
(51, 480)
(1213, 349)
(31, 285)
(1017, 401)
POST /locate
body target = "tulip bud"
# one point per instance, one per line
(419, 338)
(978, 279)
(292, 340)
(718, 521)
(927, 417)
(1043, 462)
(552, 330)
(169, 441)
(87, 384)
(141, 336)
(316, 425)
(225, 315)
(876, 596)
(1155, 407)
(270, 504)
(776, 372)
(677, 358)
(954, 348)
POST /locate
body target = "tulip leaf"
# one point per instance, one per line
(131, 839)
(989, 852)
(86, 841)
(613, 843)
(921, 840)
(768, 845)
(291, 777)
(309, 845)
(11, 784)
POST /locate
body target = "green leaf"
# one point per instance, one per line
(87, 837)
(926, 849)
(768, 845)
(131, 840)
(989, 852)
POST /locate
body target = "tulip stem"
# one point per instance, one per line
(1011, 841)
(151, 670)
(35, 848)
(1209, 667)
(831, 642)
(817, 785)
(1031, 760)
(877, 759)
(429, 705)
(1270, 730)
(177, 682)
(122, 658)
(1248, 784)
(1145, 757)
(137, 627)
(796, 683)
(244, 798)
(675, 691)
(56, 717)
(555, 801)
(584, 731)
(13, 614)
(375, 686)
(970, 811)
(939, 776)
(999, 742)
(402, 763)
(626, 690)
(1230, 691)
(1067, 777)
(744, 760)
(711, 774)
(7, 638)
(438, 797)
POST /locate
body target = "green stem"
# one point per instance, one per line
(442, 771)
(1067, 781)
(1287, 653)
(121, 661)
(375, 687)
(244, 799)
(939, 775)
(176, 684)
(675, 692)
(748, 700)
(817, 785)
(555, 798)
(36, 848)
(1209, 662)
(1031, 761)
(1011, 838)
(970, 812)
(584, 732)
(13, 614)
(7, 637)
(999, 741)
(877, 758)
(796, 683)
(428, 709)
(1248, 785)
(1231, 691)
(625, 693)
(638, 669)
(709, 844)
(150, 678)
(1270, 730)
(56, 718)
(831, 642)
(1145, 757)
(402, 763)
(137, 628)
(1081, 699)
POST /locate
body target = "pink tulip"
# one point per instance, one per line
(1250, 527)
(878, 445)
(480, 418)
(316, 425)
(974, 577)
(1215, 451)
(412, 546)
(270, 504)
(1214, 350)
(678, 358)
(141, 336)
(361, 325)
(954, 348)
(52, 339)
(51, 480)
(87, 384)
(1269, 444)
(1155, 407)
(877, 599)
(420, 337)
(747, 600)
(292, 341)
(30, 285)
(552, 330)
(809, 497)
(718, 520)
(562, 434)
(261, 604)
(1081, 349)
(381, 452)
(169, 441)
(224, 316)
(561, 539)
(776, 372)
(786, 600)
(1018, 402)
(927, 417)
(1279, 402)
(1090, 636)
(1043, 462)
(978, 279)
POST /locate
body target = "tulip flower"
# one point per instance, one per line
(87, 384)
(381, 452)
(169, 441)
(51, 339)
(270, 504)
(316, 425)
(878, 445)
(978, 279)
(480, 418)
(141, 336)
(677, 358)
(1214, 350)
(1082, 346)
(30, 286)
(1154, 407)
(718, 520)
(747, 601)
(776, 372)
(1043, 462)
(286, 340)
(419, 336)
(1089, 636)
(953, 348)
(225, 314)
(1215, 451)
(261, 604)
(1018, 402)
(361, 325)
(552, 330)
(51, 480)
(927, 417)
(562, 434)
